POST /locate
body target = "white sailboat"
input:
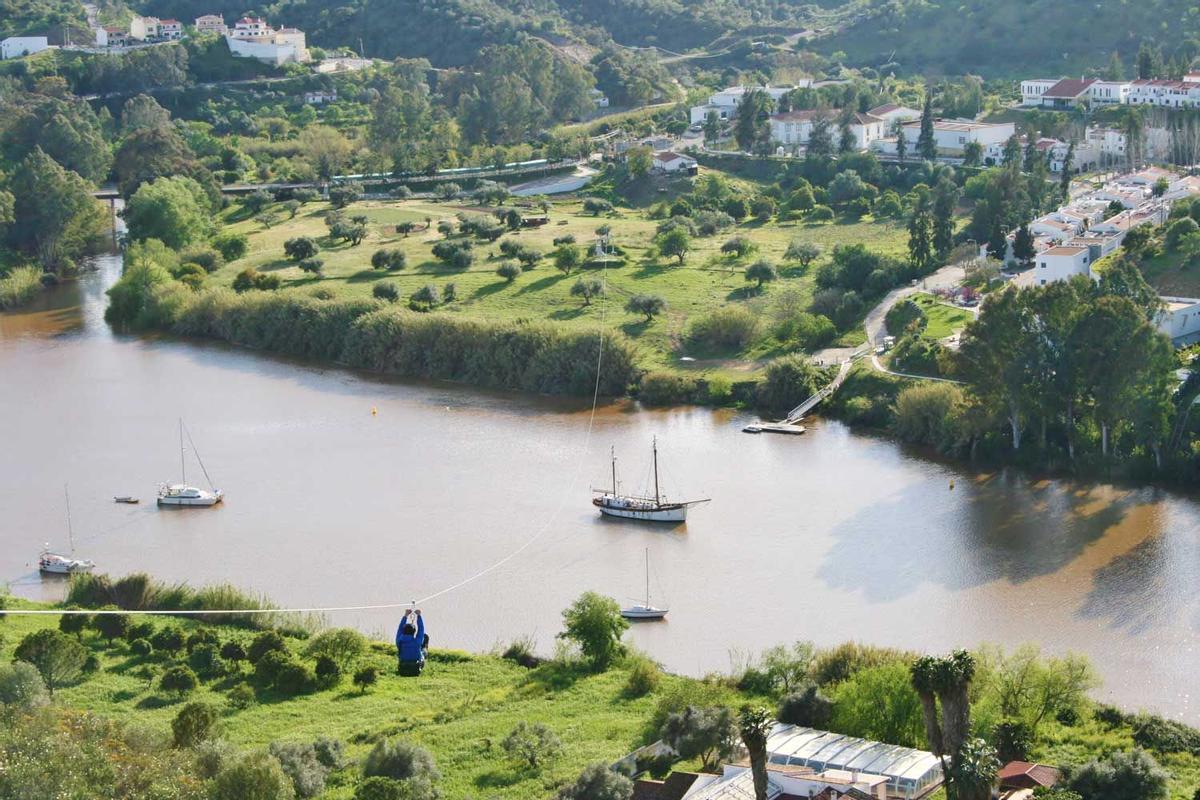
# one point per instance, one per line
(180, 494)
(645, 610)
(653, 509)
(53, 563)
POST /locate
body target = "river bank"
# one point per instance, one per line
(840, 534)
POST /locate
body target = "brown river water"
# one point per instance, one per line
(830, 536)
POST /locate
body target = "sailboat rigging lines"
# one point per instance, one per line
(180, 494)
(655, 509)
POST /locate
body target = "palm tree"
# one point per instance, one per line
(974, 772)
(952, 678)
(923, 672)
(754, 724)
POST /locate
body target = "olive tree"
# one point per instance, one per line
(598, 782)
(649, 305)
(343, 645)
(587, 288)
(533, 745)
(704, 733)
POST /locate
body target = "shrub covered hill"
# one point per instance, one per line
(998, 38)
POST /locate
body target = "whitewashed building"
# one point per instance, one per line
(211, 23)
(794, 128)
(1180, 317)
(252, 37)
(20, 46)
(1033, 89)
(952, 136)
(892, 113)
(725, 102)
(670, 161)
(1062, 262)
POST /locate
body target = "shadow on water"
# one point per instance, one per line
(1007, 528)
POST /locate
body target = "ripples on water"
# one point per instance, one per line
(830, 536)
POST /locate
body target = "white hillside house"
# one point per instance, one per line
(21, 46)
(794, 128)
(725, 102)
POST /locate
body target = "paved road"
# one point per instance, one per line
(945, 278)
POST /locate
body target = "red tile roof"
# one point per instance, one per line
(1068, 88)
(1026, 775)
(883, 109)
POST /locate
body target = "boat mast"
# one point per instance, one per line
(656, 500)
(647, 577)
(70, 531)
(612, 450)
(182, 460)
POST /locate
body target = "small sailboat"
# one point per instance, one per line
(654, 509)
(52, 563)
(180, 494)
(645, 611)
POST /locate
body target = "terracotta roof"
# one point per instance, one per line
(1068, 88)
(883, 109)
(1065, 250)
(802, 115)
(668, 156)
(1023, 774)
(677, 784)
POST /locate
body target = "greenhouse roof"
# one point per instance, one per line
(793, 744)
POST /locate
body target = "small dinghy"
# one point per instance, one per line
(127, 500)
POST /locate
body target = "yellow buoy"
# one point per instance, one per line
(373, 411)
(952, 486)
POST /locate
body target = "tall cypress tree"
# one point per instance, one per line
(901, 143)
(945, 198)
(926, 144)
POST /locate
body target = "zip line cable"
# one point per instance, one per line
(378, 606)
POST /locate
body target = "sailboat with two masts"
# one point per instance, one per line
(180, 494)
(654, 509)
(52, 563)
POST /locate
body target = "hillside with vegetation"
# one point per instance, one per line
(275, 708)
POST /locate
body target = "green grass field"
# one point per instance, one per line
(705, 281)
(463, 706)
(460, 709)
(944, 320)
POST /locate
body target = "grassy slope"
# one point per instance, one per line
(463, 706)
(1173, 274)
(706, 281)
(943, 319)
(460, 709)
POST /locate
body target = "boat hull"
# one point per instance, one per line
(644, 613)
(665, 514)
(188, 501)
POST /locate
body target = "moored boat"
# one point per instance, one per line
(645, 611)
(180, 494)
(651, 509)
(53, 563)
(126, 499)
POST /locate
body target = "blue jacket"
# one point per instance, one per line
(410, 647)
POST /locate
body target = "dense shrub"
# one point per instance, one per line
(598, 782)
(903, 314)
(206, 660)
(1152, 732)
(400, 760)
(727, 329)
(366, 677)
(178, 680)
(820, 213)
(644, 677)
(520, 652)
(267, 668)
(256, 775)
(839, 663)
(1133, 775)
(918, 355)
(328, 673)
(194, 723)
(386, 290)
(169, 639)
(265, 642)
(241, 697)
(19, 286)
(294, 677)
(789, 381)
(389, 259)
(141, 647)
(21, 687)
(807, 707)
(667, 388)
(300, 763)
(330, 752)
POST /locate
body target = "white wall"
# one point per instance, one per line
(1051, 268)
(18, 46)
